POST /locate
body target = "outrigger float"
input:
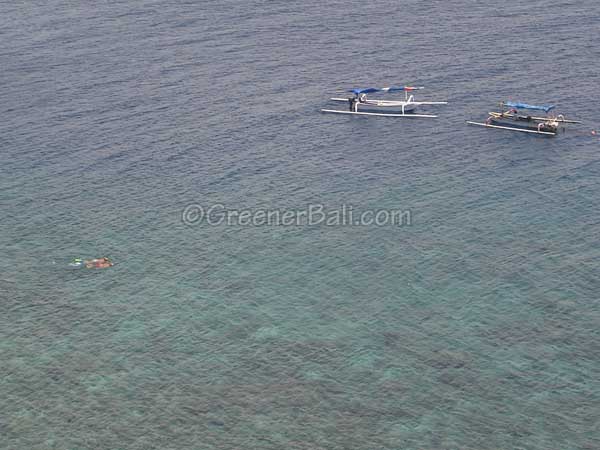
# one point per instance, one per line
(515, 120)
(359, 104)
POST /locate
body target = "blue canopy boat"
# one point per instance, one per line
(515, 119)
(361, 105)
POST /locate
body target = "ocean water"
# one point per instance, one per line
(474, 326)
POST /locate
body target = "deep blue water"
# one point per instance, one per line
(474, 327)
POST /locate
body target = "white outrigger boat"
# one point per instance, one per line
(359, 104)
(515, 120)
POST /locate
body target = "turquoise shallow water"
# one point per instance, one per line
(474, 327)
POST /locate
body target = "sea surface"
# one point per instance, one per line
(473, 325)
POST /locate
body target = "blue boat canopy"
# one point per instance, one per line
(544, 108)
(384, 89)
(364, 91)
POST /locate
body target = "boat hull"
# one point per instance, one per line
(408, 109)
(379, 106)
(525, 125)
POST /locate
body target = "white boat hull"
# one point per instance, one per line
(387, 106)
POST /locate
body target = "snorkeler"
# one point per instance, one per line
(96, 263)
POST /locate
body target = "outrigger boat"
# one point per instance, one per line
(359, 104)
(515, 120)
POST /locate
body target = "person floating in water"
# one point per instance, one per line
(96, 263)
(99, 263)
